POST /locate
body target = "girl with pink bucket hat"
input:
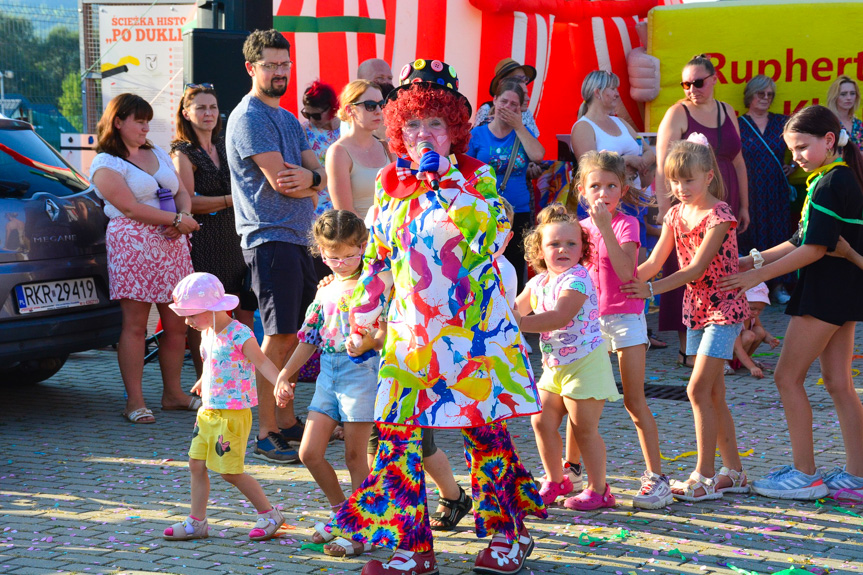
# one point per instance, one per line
(230, 354)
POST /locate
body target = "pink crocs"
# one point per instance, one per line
(588, 500)
(550, 491)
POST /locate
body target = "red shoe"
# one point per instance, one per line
(404, 563)
(502, 558)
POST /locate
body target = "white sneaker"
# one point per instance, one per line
(575, 472)
(655, 492)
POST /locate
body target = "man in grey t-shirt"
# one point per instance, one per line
(274, 176)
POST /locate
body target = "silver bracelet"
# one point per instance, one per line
(650, 287)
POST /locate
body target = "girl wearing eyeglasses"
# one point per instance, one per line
(345, 390)
(320, 104)
(354, 161)
(764, 154)
(699, 112)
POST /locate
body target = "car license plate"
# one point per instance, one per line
(56, 295)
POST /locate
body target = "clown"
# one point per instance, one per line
(453, 356)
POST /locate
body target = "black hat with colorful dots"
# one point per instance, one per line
(435, 73)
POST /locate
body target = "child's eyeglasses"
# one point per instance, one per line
(699, 83)
(336, 262)
(205, 86)
(316, 116)
(370, 105)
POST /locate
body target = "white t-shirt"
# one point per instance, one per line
(142, 184)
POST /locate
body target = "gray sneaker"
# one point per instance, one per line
(575, 472)
(275, 449)
(655, 492)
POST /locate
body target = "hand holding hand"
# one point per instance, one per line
(284, 389)
(366, 343)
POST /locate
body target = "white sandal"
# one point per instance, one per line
(707, 484)
(738, 481)
(347, 548)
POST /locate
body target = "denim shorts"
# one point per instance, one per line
(346, 391)
(713, 341)
(622, 330)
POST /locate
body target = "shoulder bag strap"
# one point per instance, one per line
(515, 146)
(772, 155)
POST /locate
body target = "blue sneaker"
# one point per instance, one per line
(293, 434)
(785, 482)
(274, 449)
(838, 478)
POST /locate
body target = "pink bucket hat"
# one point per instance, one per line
(200, 292)
(759, 293)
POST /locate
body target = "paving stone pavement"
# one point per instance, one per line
(83, 491)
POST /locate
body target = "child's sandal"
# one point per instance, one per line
(738, 481)
(706, 484)
(187, 529)
(267, 525)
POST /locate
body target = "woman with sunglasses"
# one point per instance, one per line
(199, 155)
(452, 357)
(353, 162)
(764, 153)
(320, 104)
(699, 112)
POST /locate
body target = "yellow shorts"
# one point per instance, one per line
(590, 377)
(220, 438)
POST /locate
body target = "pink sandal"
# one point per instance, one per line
(588, 500)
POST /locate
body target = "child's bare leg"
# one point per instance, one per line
(705, 373)
(356, 440)
(632, 361)
(759, 334)
(200, 488)
(726, 437)
(585, 415)
(573, 454)
(313, 449)
(837, 379)
(546, 427)
(249, 487)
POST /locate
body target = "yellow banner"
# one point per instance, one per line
(802, 45)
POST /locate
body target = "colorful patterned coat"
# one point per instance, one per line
(453, 356)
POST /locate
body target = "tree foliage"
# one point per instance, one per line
(70, 101)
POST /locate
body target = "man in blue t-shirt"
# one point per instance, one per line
(274, 176)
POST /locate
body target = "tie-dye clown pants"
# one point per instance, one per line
(390, 508)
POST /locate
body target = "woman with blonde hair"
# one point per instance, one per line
(843, 99)
(353, 162)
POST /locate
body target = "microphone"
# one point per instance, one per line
(425, 147)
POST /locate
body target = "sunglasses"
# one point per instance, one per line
(311, 116)
(699, 83)
(765, 95)
(370, 105)
(204, 86)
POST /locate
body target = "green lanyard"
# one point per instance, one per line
(811, 183)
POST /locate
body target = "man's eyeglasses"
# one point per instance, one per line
(316, 116)
(336, 262)
(203, 86)
(370, 105)
(764, 95)
(275, 66)
(699, 83)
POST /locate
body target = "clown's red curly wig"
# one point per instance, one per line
(422, 101)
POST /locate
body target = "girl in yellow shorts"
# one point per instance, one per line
(227, 388)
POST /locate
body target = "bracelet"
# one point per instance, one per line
(650, 287)
(757, 258)
(177, 219)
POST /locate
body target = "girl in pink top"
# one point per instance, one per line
(702, 229)
(602, 182)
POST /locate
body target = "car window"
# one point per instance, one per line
(29, 166)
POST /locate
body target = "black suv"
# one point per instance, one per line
(53, 266)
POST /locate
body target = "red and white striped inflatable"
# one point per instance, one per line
(562, 39)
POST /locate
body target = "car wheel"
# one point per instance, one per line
(32, 370)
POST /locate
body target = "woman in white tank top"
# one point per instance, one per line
(598, 129)
(354, 160)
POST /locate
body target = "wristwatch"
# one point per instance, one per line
(316, 179)
(757, 258)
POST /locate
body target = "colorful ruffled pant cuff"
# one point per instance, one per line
(390, 509)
